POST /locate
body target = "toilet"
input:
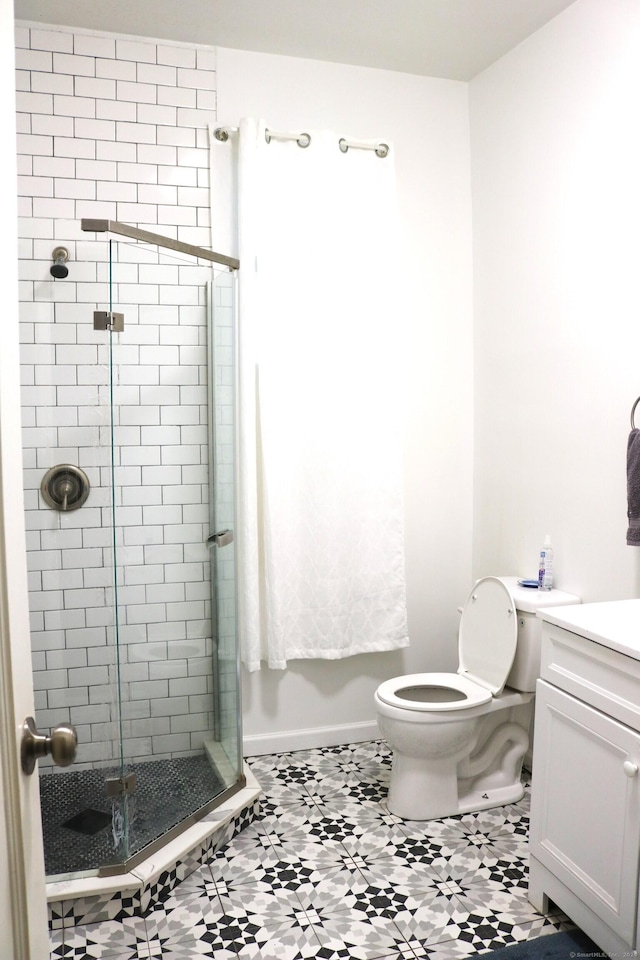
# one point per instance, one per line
(459, 739)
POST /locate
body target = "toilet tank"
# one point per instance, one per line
(526, 665)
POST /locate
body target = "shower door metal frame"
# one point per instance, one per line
(125, 866)
(145, 236)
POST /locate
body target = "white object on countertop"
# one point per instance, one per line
(545, 566)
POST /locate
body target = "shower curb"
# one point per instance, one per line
(91, 899)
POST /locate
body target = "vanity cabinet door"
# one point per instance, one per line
(585, 805)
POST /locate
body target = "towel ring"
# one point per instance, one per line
(633, 410)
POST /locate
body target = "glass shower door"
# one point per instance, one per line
(67, 449)
(129, 377)
(221, 299)
(176, 586)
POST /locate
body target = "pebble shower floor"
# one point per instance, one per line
(326, 872)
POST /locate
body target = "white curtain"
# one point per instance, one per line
(320, 531)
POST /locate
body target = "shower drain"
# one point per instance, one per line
(88, 822)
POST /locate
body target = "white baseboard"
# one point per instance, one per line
(307, 739)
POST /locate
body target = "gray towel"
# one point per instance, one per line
(633, 488)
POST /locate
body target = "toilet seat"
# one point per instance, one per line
(487, 640)
(469, 693)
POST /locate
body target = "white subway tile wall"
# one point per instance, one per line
(114, 128)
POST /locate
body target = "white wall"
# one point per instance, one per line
(427, 120)
(555, 145)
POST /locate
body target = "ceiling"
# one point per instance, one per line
(452, 39)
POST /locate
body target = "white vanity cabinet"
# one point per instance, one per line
(585, 803)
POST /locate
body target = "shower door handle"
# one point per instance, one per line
(222, 538)
(62, 744)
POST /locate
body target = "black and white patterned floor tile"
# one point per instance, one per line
(327, 873)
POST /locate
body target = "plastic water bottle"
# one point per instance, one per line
(545, 567)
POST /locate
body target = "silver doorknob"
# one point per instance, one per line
(62, 745)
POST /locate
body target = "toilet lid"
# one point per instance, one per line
(488, 634)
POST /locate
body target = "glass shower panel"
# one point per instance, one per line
(174, 677)
(128, 368)
(227, 746)
(65, 412)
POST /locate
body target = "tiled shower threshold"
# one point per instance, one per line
(90, 899)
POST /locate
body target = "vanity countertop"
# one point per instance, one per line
(612, 623)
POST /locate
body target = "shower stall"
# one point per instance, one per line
(128, 417)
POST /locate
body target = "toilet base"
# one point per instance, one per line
(415, 794)
(465, 780)
(483, 798)
(422, 792)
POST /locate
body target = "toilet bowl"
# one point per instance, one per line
(459, 739)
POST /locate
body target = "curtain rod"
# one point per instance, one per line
(303, 140)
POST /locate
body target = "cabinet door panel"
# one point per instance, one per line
(585, 808)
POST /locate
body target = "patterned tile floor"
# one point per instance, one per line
(328, 873)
